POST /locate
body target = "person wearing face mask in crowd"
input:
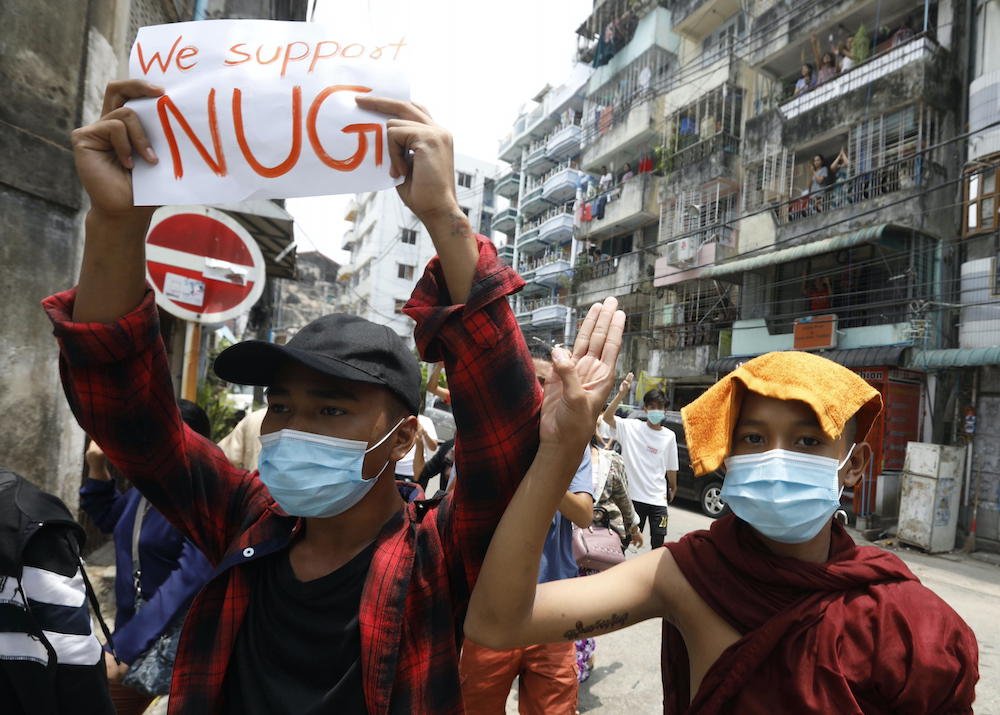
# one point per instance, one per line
(650, 454)
(775, 608)
(333, 592)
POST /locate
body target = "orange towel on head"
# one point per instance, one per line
(833, 392)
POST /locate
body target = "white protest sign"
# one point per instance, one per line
(262, 109)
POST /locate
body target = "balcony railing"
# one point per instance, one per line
(537, 162)
(551, 315)
(564, 142)
(533, 202)
(627, 206)
(505, 221)
(506, 253)
(866, 73)
(906, 174)
(696, 151)
(562, 185)
(508, 184)
(557, 228)
(623, 130)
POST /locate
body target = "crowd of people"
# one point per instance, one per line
(334, 585)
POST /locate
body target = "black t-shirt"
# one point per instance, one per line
(299, 648)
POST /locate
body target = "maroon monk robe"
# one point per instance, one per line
(857, 634)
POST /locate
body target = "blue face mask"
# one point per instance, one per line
(655, 417)
(786, 496)
(314, 475)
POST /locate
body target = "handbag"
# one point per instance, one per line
(152, 670)
(598, 546)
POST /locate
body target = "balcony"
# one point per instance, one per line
(506, 254)
(508, 184)
(549, 316)
(561, 186)
(871, 71)
(553, 271)
(538, 161)
(697, 18)
(529, 243)
(597, 279)
(634, 206)
(352, 210)
(564, 143)
(533, 202)
(636, 129)
(347, 242)
(505, 221)
(557, 229)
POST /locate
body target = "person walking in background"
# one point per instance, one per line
(611, 492)
(158, 573)
(650, 455)
(612, 503)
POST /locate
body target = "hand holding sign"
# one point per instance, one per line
(103, 151)
(261, 109)
(421, 152)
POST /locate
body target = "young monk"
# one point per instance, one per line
(774, 609)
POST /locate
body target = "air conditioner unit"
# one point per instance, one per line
(683, 251)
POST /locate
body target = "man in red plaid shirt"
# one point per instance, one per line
(332, 594)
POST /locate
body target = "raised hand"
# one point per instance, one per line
(626, 384)
(423, 153)
(103, 151)
(581, 381)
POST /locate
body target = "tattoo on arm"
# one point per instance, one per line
(615, 620)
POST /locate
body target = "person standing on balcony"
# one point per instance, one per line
(827, 63)
(806, 81)
(607, 179)
(627, 173)
(650, 454)
(820, 180)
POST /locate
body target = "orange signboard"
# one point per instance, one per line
(815, 332)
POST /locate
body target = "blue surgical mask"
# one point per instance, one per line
(655, 417)
(314, 475)
(786, 496)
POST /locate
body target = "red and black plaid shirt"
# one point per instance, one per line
(426, 558)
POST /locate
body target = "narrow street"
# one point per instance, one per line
(627, 676)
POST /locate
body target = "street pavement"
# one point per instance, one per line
(627, 673)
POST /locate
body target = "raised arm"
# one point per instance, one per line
(113, 362)
(463, 319)
(609, 411)
(434, 384)
(507, 606)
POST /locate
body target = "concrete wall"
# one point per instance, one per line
(55, 59)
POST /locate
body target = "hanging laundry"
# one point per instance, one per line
(607, 118)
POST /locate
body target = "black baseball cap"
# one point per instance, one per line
(339, 345)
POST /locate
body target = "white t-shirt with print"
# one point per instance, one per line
(648, 453)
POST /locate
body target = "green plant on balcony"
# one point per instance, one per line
(861, 45)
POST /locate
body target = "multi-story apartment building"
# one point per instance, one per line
(831, 234)
(541, 184)
(635, 53)
(973, 356)
(700, 160)
(389, 246)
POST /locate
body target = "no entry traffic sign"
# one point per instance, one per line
(203, 265)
